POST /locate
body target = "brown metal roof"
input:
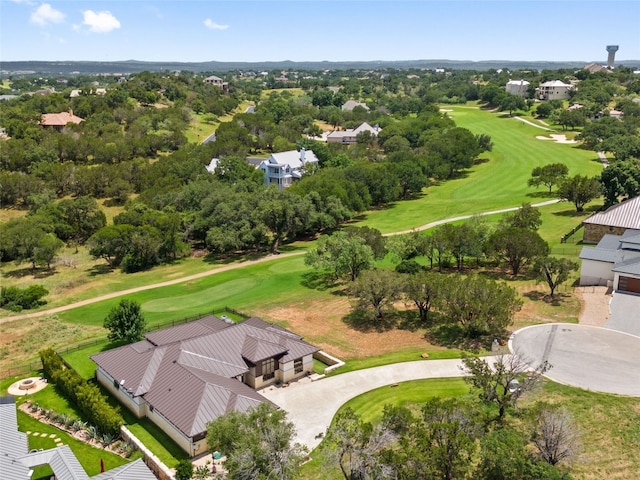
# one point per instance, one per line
(256, 350)
(624, 215)
(197, 328)
(192, 380)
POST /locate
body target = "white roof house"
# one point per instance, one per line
(284, 168)
(517, 87)
(348, 137)
(349, 105)
(553, 90)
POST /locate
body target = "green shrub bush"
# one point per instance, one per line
(90, 401)
(16, 299)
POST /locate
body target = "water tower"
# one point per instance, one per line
(612, 49)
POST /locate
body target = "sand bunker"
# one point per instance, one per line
(27, 386)
(556, 137)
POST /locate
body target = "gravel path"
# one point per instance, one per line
(595, 305)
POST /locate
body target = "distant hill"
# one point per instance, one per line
(133, 66)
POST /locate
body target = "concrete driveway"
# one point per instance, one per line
(592, 358)
(312, 405)
(625, 313)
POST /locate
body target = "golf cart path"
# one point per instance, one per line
(465, 217)
(234, 266)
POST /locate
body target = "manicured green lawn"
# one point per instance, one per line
(88, 456)
(242, 289)
(157, 441)
(369, 406)
(401, 355)
(498, 183)
(80, 361)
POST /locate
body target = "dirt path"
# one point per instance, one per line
(231, 267)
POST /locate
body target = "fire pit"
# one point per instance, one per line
(27, 384)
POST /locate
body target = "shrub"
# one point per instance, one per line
(90, 401)
(16, 298)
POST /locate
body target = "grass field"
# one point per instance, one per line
(88, 456)
(498, 183)
(609, 425)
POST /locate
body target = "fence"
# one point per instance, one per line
(37, 364)
(566, 236)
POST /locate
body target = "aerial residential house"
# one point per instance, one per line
(59, 120)
(614, 261)
(217, 82)
(283, 168)
(553, 90)
(349, 105)
(183, 377)
(17, 462)
(349, 136)
(615, 220)
(518, 87)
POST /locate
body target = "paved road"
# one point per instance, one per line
(583, 356)
(312, 405)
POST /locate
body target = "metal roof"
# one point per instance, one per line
(197, 328)
(17, 464)
(191, 381)
(136, 470)
(630, 266)
(600, 254)
(12, 442)
(256, 350)
(624, 215)
(62, 461)
(10, 468)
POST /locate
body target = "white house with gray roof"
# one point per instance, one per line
(183, 377)
(615, 261)
(349, 136)
(283, 168)
(553, 90)
(17, 461)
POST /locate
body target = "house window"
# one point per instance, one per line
(268, 369)
(297, 365)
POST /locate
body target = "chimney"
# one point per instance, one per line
(302, 152)
(71, 112)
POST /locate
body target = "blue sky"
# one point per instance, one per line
(298, 30)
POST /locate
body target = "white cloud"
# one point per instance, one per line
(213, 25)
(100, 22)
(45, 14)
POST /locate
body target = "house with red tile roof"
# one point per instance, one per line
(59, 120)
(183, 377)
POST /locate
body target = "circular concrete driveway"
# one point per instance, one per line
(592, 358)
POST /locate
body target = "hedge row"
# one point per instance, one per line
(90, 401)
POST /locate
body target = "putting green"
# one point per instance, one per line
(210, 296)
